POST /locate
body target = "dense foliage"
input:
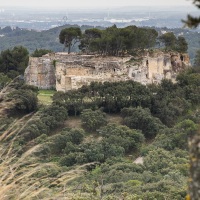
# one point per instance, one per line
(139, 118)
(92, 120)
(172, 43)
(111, 97)
(40, 52)
(156, 123)
(26, 100)
(69, 37)
(49, 119)
(117, 41)
(4, 80)
(47, 39)
(14, 61)
(167, 101)
(116, 141)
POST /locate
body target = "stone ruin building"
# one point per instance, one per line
(65, 72)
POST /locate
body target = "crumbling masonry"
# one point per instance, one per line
(71, 71)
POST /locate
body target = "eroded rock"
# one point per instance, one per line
(71, 71)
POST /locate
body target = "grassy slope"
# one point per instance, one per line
(44, 96)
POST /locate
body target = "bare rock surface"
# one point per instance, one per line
(71, 71)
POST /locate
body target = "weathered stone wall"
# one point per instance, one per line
(70, 71)
(40, 73)
(74, 71)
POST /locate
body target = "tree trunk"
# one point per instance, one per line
(69, 49)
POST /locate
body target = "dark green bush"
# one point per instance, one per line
(139, 118)
(93, 120)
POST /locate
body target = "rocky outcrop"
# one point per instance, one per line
(71, 71)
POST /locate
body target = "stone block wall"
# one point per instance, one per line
(70, 71)
(40, 73)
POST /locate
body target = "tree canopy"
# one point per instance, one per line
(40, 52)
(114, 41)
(172, 43)
(92, 120)
(191, 21)
(117, 41)
(14, 61)
(70, 36)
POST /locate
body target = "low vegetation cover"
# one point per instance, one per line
(45, 96)
(48, 159)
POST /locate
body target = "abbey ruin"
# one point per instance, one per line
(71, 71)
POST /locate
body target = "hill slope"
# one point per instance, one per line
(53, 152)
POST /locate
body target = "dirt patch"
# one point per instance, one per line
(73, 122)
(114, 118)
(139, 160)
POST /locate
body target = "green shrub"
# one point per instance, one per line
(68, 160)
(92, 120)
(26, 100)
(122, 136)
(139, 118)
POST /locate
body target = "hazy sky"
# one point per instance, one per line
(91, 3)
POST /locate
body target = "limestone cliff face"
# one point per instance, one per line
(40, 73)
(71, 71)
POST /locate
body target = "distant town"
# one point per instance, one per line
(41, 19)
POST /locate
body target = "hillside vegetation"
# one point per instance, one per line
(32, 39)
(105, 141)
(85, 144)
